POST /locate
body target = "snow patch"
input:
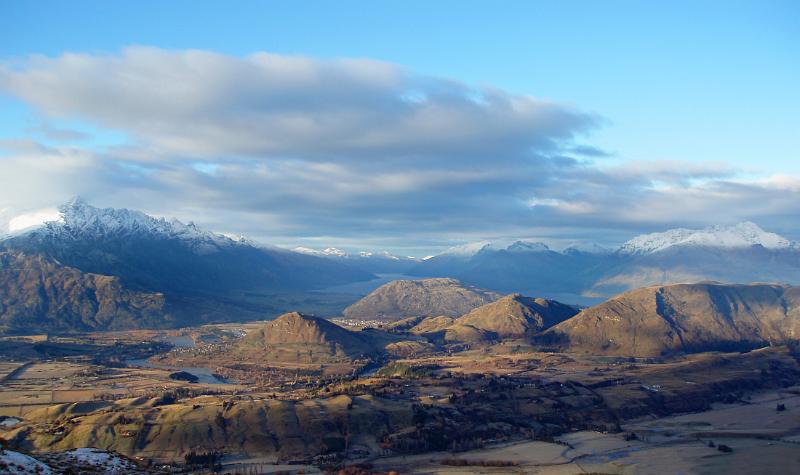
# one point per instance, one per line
(18, 463)
(107, 461)
(9, 422)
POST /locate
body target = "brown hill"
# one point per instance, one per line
(297, 338)
(518, 316)
(432, 324)
(684, 317)
(428, 297)
(39, 294)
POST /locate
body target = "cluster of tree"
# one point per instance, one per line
(210, 460)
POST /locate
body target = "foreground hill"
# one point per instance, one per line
(517, 316)
(428, 297)
(656, 320)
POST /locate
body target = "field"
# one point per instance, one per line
(501, 408)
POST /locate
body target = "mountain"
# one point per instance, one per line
(202, 275)
(38, 294)
(428, 297)
(587, 274)
(162, 255)
(382, 262)
(739, 253)
(527, 268)
(298, 338)
(742, 235)
(663, 319)
(517, 316)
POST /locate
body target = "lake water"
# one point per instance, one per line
(204, 375)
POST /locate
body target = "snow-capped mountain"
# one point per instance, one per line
(473, 248)
(79, 221)
(381, 262)
(327, 252)
(586, 272)
(741, 235)
(467, 250)
(203, 275)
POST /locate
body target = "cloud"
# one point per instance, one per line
(350, 152)
(204, 104)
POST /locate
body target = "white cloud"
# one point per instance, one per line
(206, 104)
(295, 150)
(35, 218)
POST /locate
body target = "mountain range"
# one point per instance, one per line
(196, 275)
(589, 274)
(646, 322)
(382, 262)
(104, 268)
(652, 321)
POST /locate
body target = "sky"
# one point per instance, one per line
(406, 126)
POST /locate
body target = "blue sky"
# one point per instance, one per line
(711, 84)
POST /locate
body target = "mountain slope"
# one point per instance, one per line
(684, 317)
(428, 297)
(38, 294)
(517, 316)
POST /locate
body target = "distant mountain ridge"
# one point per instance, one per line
(741, 235)
(587, 274)
(382, 262)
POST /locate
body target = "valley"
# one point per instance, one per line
(506, 405)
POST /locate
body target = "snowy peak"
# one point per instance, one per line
(336, 252)
(327, 252)
(79, 220)
(471, 249)
(740, 235)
